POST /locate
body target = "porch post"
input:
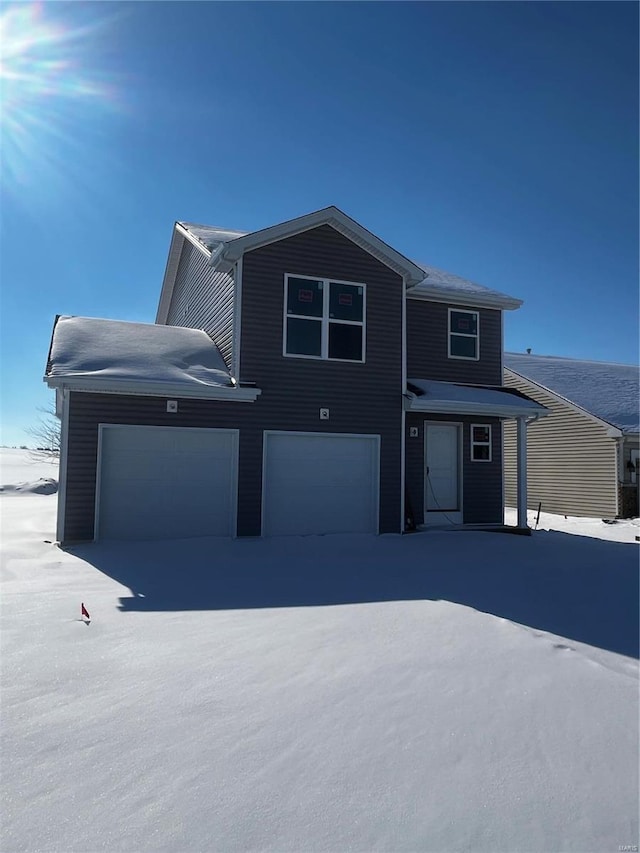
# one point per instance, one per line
(522, 473)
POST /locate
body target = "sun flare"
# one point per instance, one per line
(46, 86)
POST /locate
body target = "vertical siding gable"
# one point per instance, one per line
(427, 345)
(571, 462)
(203, 299)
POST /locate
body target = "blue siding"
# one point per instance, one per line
(427, 345)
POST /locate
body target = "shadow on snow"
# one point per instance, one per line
(576, 587)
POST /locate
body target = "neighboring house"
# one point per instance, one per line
(583, 458)
(303, 379)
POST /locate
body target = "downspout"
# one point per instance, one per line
(237, 321)
(403, 416)
(620, 480)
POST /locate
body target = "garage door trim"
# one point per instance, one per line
(368, 435)
(234, 433)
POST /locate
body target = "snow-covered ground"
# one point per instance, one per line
(444, 691)
(619, 530)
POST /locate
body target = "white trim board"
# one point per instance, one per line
(228, 253)
(143, 388)
(469, 300)
(448, 407)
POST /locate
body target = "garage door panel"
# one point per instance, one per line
(320, 484)
(166, 482)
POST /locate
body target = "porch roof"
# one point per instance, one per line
(428, 395)
(120, 357)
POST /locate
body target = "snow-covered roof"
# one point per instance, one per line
(227, 251)
(440, 283)
(88, 353)
(607, 390)
(448, 397)
(210, 235)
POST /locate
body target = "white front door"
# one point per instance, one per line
(442, 498)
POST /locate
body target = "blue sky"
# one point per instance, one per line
(495, 140)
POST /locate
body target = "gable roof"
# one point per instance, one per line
(605, 390)
(229, 251)
(211, 236)
(224, 246)
(114, 356)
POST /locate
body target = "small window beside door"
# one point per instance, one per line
(481, 442)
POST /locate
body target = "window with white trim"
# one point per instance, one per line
(324, 319)
(481, 442)
(464, 334)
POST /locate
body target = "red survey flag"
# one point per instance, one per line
(85, 612)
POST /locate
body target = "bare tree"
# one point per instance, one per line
(46, 434)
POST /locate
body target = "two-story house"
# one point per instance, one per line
(302, 379)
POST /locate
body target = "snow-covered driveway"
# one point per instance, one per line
(435, 692)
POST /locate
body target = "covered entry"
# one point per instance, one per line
(463, 447)
(320, 483)
(165, 482)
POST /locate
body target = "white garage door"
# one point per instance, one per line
(165, 482)
(319, 483)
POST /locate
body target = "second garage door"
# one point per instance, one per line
(320, 483)
(165, 482)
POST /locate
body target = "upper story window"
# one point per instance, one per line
(464, 334)
(324, 319)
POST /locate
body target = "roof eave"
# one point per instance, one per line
(459, 407)
(230, 252)
(150, 388)
(433, 294)
(615, 432)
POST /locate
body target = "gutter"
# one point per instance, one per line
(478, 300)
(461, 408)
(153, 389)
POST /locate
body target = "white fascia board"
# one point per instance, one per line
(508, 303)
(170, 271)
(612, 431)
(447, 407)
(230, 252)
(152, 389)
